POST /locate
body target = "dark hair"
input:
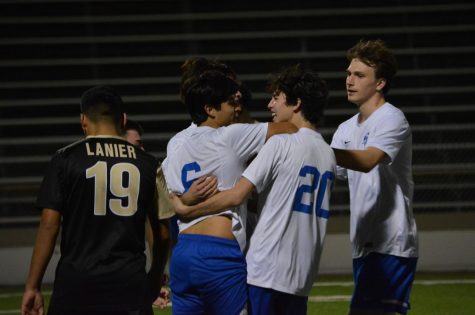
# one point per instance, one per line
(246, 95)
(375, 54)
(211, 88)
(102, 103)
(133, 125)
(296, 83)
(192, 68)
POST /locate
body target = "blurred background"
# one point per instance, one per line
(52, 51)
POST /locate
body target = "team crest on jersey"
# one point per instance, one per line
(365, 139)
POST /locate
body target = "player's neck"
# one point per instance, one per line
(209, 123)
(301, 122)
(369, 107)
(101, 130)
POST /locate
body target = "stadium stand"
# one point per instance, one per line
(51, 51)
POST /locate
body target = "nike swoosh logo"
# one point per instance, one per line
(346, 142)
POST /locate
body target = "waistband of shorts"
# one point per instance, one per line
(208, 239)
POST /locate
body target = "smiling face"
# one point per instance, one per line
(280, 110)
(362, 86)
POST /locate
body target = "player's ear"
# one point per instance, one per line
(210, 111)
(381, 84)
(123, 121)
(298, 105)
(82, 121)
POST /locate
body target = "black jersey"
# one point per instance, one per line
(103, 187)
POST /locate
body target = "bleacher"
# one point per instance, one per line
(51, 51)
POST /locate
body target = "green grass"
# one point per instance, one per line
(434, 299)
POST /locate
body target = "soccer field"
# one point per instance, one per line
(433, 294)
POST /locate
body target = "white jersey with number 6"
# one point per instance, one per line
(222, 152)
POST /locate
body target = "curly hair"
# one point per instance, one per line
(298, 83)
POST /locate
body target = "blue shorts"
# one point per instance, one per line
(383, 282)
(207, 276)
(263, 301)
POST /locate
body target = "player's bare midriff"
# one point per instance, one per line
(219, 226)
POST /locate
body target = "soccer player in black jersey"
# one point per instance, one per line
(102, 190)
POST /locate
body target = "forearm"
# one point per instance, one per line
(155, 274)
(165, 245)
(219, 202)
(359, 160)
(280, 127)
(42, 252)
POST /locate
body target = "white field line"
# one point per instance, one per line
(417, 282)
(330, 298)
(318, 284)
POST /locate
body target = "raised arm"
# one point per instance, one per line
(280, 127)
(32, 302)
(359, 160)
(217, 203)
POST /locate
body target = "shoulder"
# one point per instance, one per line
(148, 157)
(240, 128)
(69, 149)
(279, 140)
(349, 123)
(71, 146)
(345, 128)
(391, 112)
(178, 139)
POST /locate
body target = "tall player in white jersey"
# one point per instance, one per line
(294, 175)
(208, 269)
(374, 150)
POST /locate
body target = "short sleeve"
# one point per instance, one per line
(391, 135)
(260, 171)
(246, 139)
(51, 195)
(165, 208)
(337, 139)
(337, 143)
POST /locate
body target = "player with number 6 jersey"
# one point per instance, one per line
(208, 269)
(293, 173)
(102, 188)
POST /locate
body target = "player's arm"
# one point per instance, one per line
(217, 203)
(359, 160)
(32, 302)
(201, 189)
(164, 244)
(156, 270)
(280, 127)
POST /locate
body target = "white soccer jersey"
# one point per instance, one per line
(381, 200)
(221, 152)
(294, 174)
